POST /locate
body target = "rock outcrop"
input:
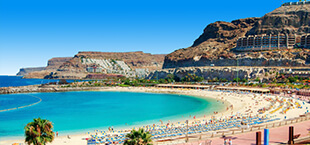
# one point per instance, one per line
(52, 65)
(24, 71)
(292, 19)
(214, 46)
(56, 62)
(76, 68)
(228, 73)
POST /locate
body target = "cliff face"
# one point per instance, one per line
(56, 62)
(24, 71)
(214, 46)
(210, 73)
(294, 19)
(137, 59)
(119, 63)
(52, 65)
(132, 59)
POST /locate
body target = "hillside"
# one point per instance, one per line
(56, 62)
(37, 72)
(293, 19)
(214, 46)
(130, 64)
(25, 71)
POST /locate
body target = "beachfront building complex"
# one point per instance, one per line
(296, 3)
(265, 42)
(305, 41)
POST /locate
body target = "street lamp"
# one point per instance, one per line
(186, 140)
(237, 71)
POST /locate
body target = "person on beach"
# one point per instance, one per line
(230, 142)
(225, 141)
(56, 133)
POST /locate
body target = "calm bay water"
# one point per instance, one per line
(15, 81)
(88, 110)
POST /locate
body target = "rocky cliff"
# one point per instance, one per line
(56, 62)
(76, 68)
(229, 73)
(24, 71)
(132, 59)
(52, 65)
(214, 46)
(292, 19)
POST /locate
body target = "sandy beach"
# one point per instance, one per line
(236, 104)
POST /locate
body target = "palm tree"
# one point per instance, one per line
(139, 137)
(39, 132)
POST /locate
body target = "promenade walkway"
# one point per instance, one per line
(277, 135)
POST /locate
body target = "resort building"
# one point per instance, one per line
(296, 3)
(95, 69)
(208, 87)
(182, 86)
(103, 76)
(244, 89)
(265, 42)
(299, 72)
(305, 41)
(141, 72)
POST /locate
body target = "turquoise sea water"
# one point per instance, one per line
(84, 111)
(15, 81)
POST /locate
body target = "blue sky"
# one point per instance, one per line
(33, 31)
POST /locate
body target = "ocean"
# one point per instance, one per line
(80, 112)
(15, 81)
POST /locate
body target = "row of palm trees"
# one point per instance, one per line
(40, 132)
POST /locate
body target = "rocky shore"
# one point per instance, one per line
(44, 88)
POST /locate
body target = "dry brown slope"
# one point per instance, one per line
(294, 19)
(214, 45)
(137, 59)
(52, 65)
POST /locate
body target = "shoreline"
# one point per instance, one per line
(228, 98)
(137, 90)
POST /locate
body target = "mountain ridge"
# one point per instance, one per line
(213, 46)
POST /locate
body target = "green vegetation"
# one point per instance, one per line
(223, 80)
(113, 61)
(192, 78)
(236, 80)
(139, 137)
(273, 79)
(244, 80)
(39, 132)
(257, 79)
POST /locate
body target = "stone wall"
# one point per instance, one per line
(246, 61)
(228, 73)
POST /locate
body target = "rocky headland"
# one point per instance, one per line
(84, 63)
(24, 71)
(40, 72)
(56, 62)
(214, 46)
(212, 55)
